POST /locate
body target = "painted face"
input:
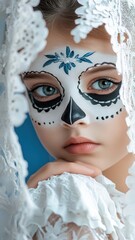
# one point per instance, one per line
(73, 94)
(70, 84)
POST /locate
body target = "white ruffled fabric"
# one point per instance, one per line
(24, 36)
(73, 206)
(129, 209)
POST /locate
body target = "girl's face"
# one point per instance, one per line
(73, 94)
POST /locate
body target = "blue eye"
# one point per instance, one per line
(46, 91)
(102, 84)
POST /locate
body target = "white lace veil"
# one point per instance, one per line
(24, 37)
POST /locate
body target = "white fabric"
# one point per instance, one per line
(78, 206)
(129, 209)
(24, 37)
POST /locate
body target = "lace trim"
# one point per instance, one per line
(75, 199)
(129, 209)
(24, 37)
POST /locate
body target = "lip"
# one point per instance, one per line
(80, 145)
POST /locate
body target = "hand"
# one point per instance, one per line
(60, 166)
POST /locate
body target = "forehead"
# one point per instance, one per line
(59, 35)
(69, 60)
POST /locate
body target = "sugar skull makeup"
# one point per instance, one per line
(72, 84)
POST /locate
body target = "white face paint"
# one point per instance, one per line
(69, 85)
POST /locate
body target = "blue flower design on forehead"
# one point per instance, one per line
(67, 60)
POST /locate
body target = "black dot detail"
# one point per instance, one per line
(44, 123)
(53, 122)
(39, 123)
(50, 123)
(112, 116)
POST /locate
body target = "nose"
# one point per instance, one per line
(73, 113)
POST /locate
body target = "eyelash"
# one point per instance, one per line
(33, 91)
(109, 80)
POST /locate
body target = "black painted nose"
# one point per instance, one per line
(72, 113)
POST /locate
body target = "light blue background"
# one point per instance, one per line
(33, 151)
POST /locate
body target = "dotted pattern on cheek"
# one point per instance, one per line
(43, 123)
(111, 116)
(97, 118)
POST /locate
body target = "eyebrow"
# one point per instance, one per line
(32, 75)
(101, 67)
(36, 75)
(94, 69)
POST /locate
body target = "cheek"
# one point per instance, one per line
(116, 134)
(112, 134)
(118, 125)
(49, 138)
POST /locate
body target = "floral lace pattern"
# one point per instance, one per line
(57, 229)
(25, 37)
(24, 30)
(73, 205)
(28, 40)
(129, 209)
(92, 14)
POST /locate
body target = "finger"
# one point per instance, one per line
(97, 171)
(59, 167)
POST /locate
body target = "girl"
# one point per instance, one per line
(75, 106)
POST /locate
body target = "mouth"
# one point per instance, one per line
(80, 145)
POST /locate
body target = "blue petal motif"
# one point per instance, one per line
(81, 59)
(84, 57)
(57, 55)
(66, 69)
(72, 54)
(67, 65)
(77, 55)
(61, 65)
(50, 56)
(87, 54)
(67, 52)
(62, 54)
(50, 62)
(73, 64)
